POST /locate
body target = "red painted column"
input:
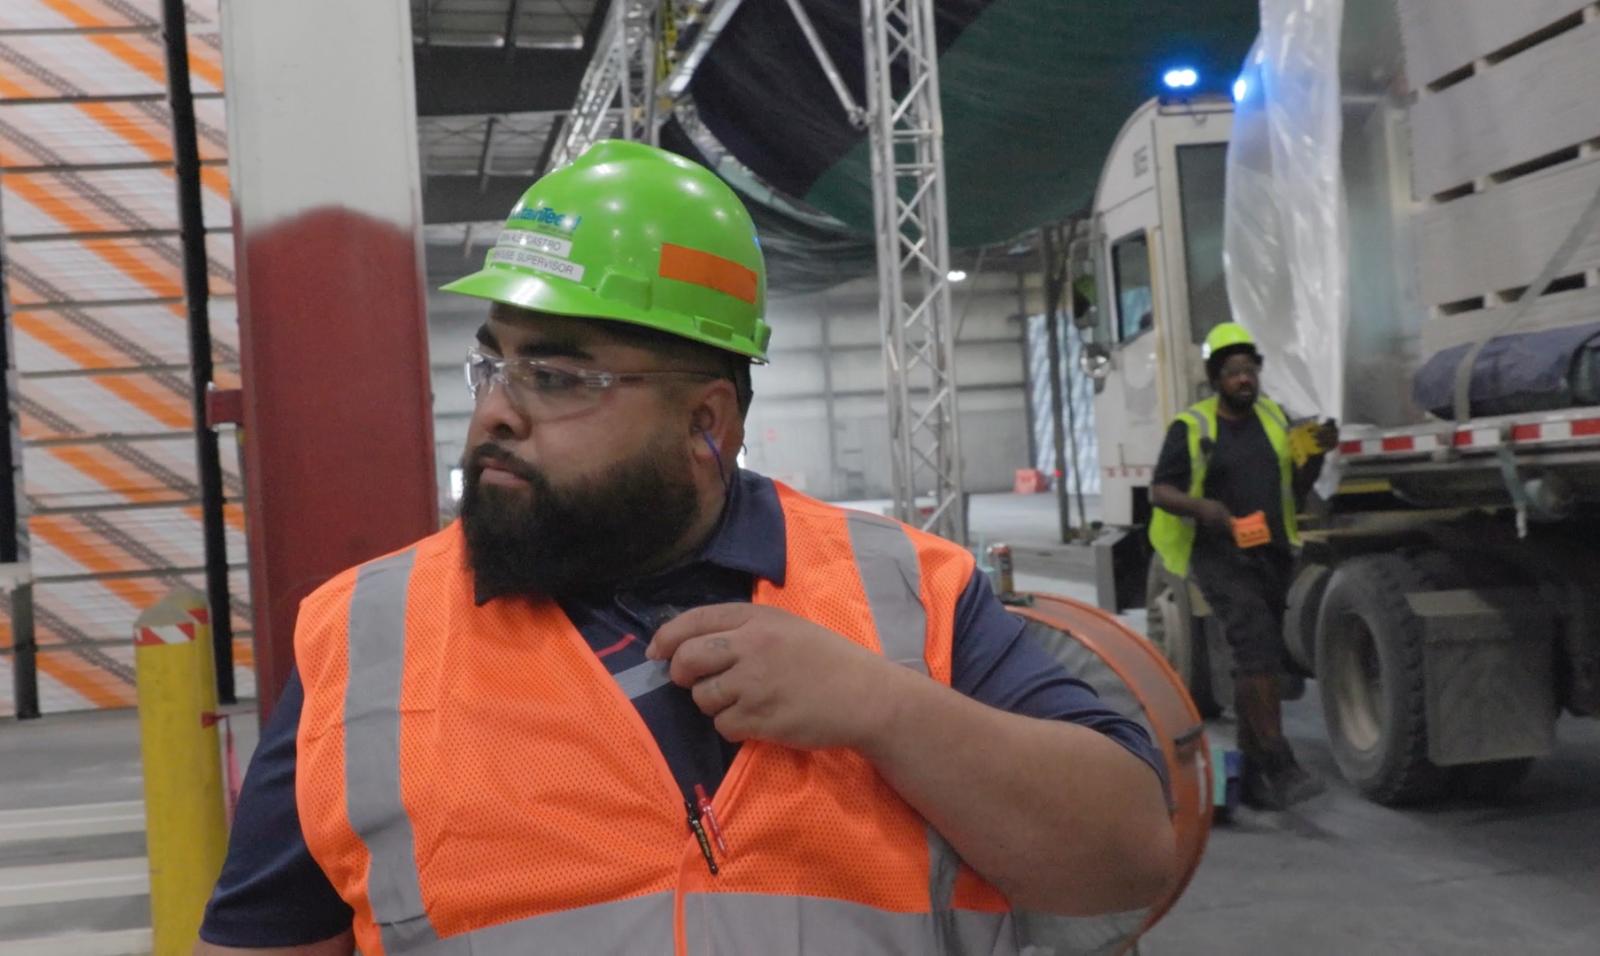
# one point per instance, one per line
(338, 427)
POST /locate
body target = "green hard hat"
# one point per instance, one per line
(1226, 336)
(635, 234)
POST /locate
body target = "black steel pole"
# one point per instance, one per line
(24, 652)
(24, 649)
(196, 289)
(1054, 284)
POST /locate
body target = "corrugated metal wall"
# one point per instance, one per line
(94, 274)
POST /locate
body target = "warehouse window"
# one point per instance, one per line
(1130, 265)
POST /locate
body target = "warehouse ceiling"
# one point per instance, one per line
(1034, 93)
(494, 80)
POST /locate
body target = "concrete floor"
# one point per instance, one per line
(1339, 876)
(73, 872)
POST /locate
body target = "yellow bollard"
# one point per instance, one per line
(186, 832)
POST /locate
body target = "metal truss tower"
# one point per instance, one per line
(908, 189)
(621, 76)
(906, 132)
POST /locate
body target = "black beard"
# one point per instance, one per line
(574, 541)
(1238, 404)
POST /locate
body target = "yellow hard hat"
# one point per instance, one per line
(1225, 336)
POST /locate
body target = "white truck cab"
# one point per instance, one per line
(1157, 246)
(1154, 250)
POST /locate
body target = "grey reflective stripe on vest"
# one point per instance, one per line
(641, 926)
(773, 925)
(377, 645)
(641, 679)
(1201, 423)
(887, 561)
(944, 865)
(892, 577)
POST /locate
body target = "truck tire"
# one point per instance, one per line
(1300, 618)
(1174, 630)
(1370, 668)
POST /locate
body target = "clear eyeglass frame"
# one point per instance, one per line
(552, 389)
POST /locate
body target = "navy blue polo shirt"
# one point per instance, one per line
(272, 893)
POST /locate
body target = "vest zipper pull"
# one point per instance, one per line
(708, 813)
(700, 836)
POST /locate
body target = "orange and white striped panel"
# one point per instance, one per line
(157, 540)
(106, 404)
(118, 337)
(119, 473)
(102, 14)
(85, 654)
(88, 613)
(94, 276)
(51, 204)
(86, 271)
(46, 134)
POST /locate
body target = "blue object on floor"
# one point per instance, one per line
(1227, 767)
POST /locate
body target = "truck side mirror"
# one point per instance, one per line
(1081, 284)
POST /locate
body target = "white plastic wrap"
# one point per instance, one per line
(1284, 232)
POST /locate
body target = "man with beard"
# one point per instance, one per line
(1227, 463)
(638, 700)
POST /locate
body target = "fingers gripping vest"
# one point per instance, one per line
(472, 780)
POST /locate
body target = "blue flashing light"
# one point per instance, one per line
(1241, 88)
(1183, 78)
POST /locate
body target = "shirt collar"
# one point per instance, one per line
(750, 537)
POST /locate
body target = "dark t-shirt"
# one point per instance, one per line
(1243, 475)
(272, 893)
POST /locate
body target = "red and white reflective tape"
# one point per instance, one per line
(1473, 437)
(172, 633)
(166, 634)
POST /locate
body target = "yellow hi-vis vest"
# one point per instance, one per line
(1172, 536)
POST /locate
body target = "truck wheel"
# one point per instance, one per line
(1300, 618)
(1173, 629)
(1369, 664)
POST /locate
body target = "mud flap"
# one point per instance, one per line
(1121, 557)
(1488, 664)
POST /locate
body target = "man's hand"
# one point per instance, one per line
(1213, 514)
(1328, 435)
(1059, 817)
(765, 674)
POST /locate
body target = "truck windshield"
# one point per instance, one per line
(1201, 175)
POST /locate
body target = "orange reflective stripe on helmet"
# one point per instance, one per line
(683, 264)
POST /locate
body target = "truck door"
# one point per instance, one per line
(1129, 413)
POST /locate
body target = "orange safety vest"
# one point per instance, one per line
(473, 780)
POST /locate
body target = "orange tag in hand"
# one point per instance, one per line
(1252, 531)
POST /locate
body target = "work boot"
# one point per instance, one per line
(1273, 779)
(1276, 782)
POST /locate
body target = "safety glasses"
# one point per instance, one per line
(544, 389)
